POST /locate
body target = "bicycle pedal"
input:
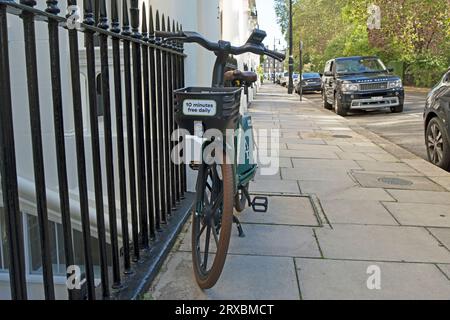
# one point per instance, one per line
(260, 204)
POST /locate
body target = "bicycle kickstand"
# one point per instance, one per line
(239, 226)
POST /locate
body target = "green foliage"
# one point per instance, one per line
(414, 33)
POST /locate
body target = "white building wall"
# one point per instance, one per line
(195, 15)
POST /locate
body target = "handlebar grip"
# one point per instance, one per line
(276, 55)
(165, 34)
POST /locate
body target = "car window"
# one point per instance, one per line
(447, 78)
(364, 65)
(311, 76)
(327, 66)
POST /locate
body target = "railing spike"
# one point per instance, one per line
(157, 27)
(163, 23)
(144, 23)
(103, 18)
(151, 26)
(125, 19)
(181, 43)
(134, 12)
(88, 13)
(177, 43)
(52, 7)
(170, 43)
(115, 25)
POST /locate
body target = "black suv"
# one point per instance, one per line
(361, 83)
(437, 119)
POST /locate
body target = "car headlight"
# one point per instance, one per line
(395, 84)
(349, 87)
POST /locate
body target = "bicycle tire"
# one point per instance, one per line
(206, 279)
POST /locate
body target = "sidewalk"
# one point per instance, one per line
(344, 205)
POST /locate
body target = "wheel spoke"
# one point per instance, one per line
(433, 131)
(439, 136)
(201, 232)
(205, 257)
(440, 154)
(216, 236)
(218, 202)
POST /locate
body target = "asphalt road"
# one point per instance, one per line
(405, 129)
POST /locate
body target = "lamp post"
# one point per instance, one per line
(301, 71)
(291, 58)
(274, 61)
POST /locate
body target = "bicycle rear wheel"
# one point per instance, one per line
(212, 222)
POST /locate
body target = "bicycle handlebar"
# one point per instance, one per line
(221, 46)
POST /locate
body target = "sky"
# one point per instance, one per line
(268, 22)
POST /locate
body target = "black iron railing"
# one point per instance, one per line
(149, 186)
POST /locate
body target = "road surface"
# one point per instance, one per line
(405, 129)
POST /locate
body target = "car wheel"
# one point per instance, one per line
(326, 105)
(438, 148)
(398, 109)
(338, 107)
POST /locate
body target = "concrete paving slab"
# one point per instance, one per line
(334, 175)
(260, 176)
(365, 149)
(313, 148)
(353, 156)
(385, 167)
(385, 157)
(368, 180)
(297, 211)
(343, 190)
(243, 278)
(413, 196)
(443, 181)
(416, 214)
(308, 154)
(381, 243)
(426, 167)
(442, 234)
(348, 280)
(445, 268)
(319, 164)
(275, 187)
(357, 212)
(270, 240)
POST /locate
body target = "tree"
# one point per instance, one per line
(414, 32)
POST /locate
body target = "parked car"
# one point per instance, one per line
(296, 79)
(437, 127)
(310, 82)
(284, 79)
(361, 83)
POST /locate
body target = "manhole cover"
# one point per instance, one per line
(342, 136)
(395, 181)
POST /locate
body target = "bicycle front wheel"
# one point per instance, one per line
(212, 222)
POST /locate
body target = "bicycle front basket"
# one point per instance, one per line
(217, 108)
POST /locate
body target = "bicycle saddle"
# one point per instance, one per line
(246, 76)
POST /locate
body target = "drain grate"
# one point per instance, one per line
(342, 136)
(395, 181)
